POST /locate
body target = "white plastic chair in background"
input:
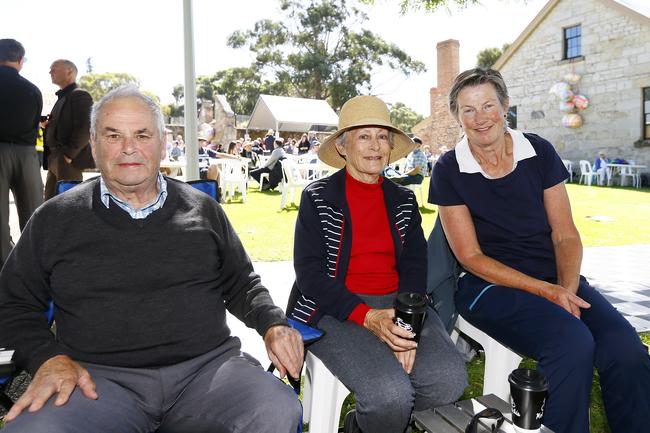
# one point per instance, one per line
(234, 174)
(587, 175)
(632, 174)
(292, 179)
(417, 187)
(322, 397)
(569, 166)
(499, 360)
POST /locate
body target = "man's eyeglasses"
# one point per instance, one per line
(488, 413)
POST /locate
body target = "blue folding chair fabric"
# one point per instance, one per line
(64, 185)
(208, 186)
(8, 372)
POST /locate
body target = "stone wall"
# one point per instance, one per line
(615, 67)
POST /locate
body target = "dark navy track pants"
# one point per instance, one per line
(566, 350)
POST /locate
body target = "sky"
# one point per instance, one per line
(145, 38)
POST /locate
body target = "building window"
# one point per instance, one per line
(646, 113)
(572, 42)
(512, 117)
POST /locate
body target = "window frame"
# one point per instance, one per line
(645, 112)
(568, 42)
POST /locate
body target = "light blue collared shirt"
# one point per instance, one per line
(136, 214)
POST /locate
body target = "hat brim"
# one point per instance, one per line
(402, 144)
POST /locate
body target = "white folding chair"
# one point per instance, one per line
(499, 360)
(587, 175)
(417, 187)
(234, 174)
(322, 397)
(569, 166)
(632, 174)
(292, 179)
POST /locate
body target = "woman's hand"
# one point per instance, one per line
(380, 322)
(564, 298)
(406, 358)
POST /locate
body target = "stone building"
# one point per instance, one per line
(440, 129)
(224, 126)
(604, 43)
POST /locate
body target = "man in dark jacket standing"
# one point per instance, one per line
(68, 130)
(20, 110)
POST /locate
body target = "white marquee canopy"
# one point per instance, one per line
(283, 113)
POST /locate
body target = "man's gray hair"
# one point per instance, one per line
(127, 91)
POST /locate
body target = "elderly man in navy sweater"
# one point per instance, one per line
(142, 343)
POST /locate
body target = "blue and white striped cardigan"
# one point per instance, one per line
(323, 241)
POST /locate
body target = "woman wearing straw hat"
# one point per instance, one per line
(358, 243)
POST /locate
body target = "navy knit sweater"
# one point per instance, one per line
(129, 293)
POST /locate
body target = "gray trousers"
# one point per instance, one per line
(20, 172)
(384, 393)
(224, 390)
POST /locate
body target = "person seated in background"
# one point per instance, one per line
(505, 211)
(232, 149)
(176, 151)
(142, 343)
(427, 152)
(372, 228)
(248, 153)
(600, 167)
(303, 144)
(269, 141)
(416, 166)
(272, 166)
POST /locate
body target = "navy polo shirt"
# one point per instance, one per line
(508, 212)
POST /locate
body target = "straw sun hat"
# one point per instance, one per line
(358, 112)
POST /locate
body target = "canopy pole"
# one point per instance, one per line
(191, 115)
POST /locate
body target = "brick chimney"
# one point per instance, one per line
(448, 63)
(440, 129)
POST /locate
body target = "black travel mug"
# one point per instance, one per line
(528, 391)
(410, 312)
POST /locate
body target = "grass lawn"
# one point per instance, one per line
(267, 231)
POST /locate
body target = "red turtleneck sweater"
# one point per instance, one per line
(372, 269)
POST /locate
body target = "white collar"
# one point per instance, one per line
(521, 149)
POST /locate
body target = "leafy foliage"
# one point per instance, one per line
(488, 57)
(429, 5)
(100, 84)
(404, 117)
(315, 53)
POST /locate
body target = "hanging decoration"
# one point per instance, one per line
(570, 101)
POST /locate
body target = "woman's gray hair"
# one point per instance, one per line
(127, 91)
(476, 77)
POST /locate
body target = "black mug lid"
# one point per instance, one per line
(411, 302)
(528, 379)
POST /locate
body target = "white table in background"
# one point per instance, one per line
(613, 168)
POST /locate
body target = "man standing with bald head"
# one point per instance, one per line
(67, 132)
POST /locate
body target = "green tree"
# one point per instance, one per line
(488, 57)
(431, 5)
(100, 84)
(404, 117)
(241, 87)
(320, 51)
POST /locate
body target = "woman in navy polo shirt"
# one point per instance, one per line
(506, 214)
